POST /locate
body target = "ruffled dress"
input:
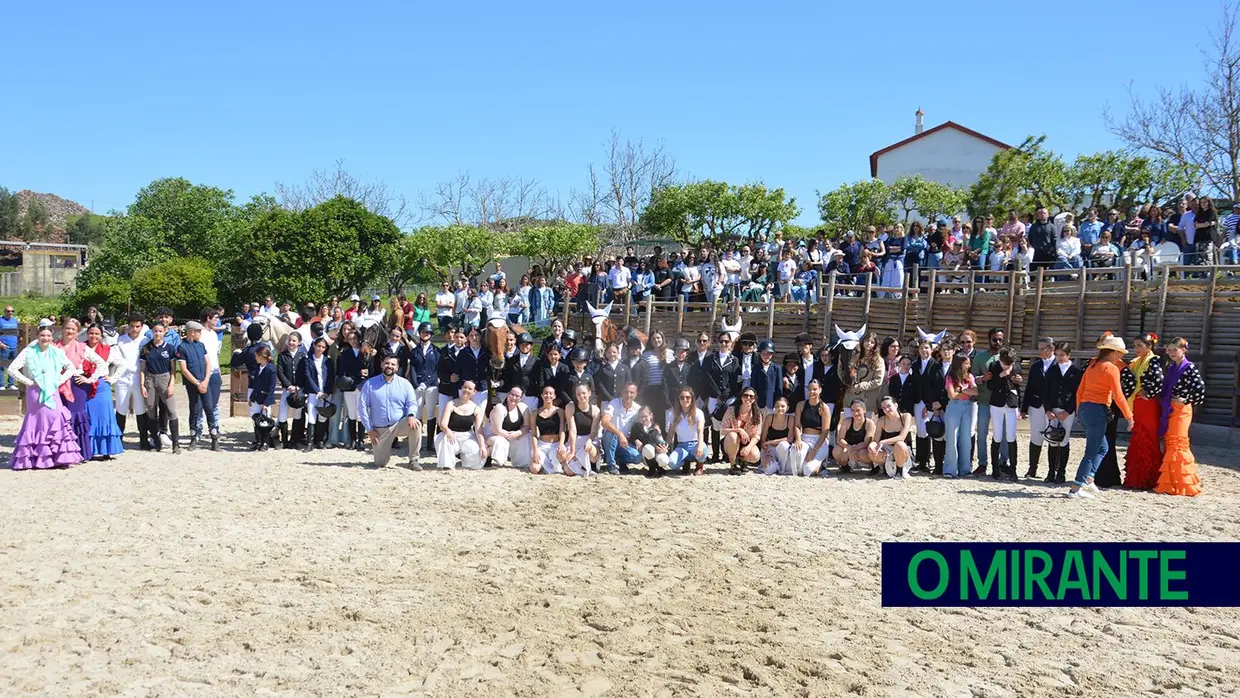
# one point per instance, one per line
(1184, 389)
(1143, 459)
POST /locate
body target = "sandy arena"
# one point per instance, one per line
(296, 574)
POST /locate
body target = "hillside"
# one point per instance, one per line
(58, 211)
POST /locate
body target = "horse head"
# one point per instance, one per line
(495, 339)
(846, 344)
(599, 318)
(934, 339)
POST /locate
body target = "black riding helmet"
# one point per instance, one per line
(569, 336)
(579, 355)
(766, 345)
(254, 332)
(425, 328)
(525, 338)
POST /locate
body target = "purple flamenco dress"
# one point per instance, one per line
(46, 439)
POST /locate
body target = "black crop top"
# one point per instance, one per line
(855, 437)
(773, 434)
(514, 423)
(584, 422)
(460, 422)
(811, 418)
(549, 425)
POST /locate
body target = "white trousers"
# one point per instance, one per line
(804, 460)
(128, 397)
(286, 411)
(312, 411)
(920, 420)
(579, 464)
(1003, 424)
(550, 457)
(778, 457)
(429, 399)
(519, 450)
(465, 447)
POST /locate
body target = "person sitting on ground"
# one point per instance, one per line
(852, 440)
(460, 432)
(647, 437)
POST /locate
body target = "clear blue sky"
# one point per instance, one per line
(102, 98)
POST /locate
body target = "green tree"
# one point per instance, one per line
(854, 206)
(185, 285)
(1022, 179)
(87, 229)
(463, 248)
(35, 225)
(929, 199)
(9, 217)
(112, 295)
(195, 219)
(717, 211)
(552, 246)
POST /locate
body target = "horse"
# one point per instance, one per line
(842, 351)
(495, 339)
(606, 332)
(275, 332)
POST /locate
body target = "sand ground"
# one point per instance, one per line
(290, 574)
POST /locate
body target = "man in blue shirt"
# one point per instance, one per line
(1091, 230)
(172, 338)
(192, 360)
(8, 343)
(388, 408)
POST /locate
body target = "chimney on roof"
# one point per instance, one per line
(919, 127)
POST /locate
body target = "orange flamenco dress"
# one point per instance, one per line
(1179, 468)
(1144, 457)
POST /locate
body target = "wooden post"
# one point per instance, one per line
(930, 302)
(770, 316)
(628, 308)
(1080, 305)
(808, 304)
(1205, 325)
(680, 315)
(968, 310)
(1007, 334)
(1124, 300)
(1162, 298)
(1037, 308)
(649, 311)
(826, 318)
(869, 295)
(903, 308)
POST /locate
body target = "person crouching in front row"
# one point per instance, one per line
(262, 397)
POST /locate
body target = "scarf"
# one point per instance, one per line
(1174, 372)
(44, 366)
(1138, 368)
(89, 367)
(75, 352)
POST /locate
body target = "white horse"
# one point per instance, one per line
(934, 339)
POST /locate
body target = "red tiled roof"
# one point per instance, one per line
(947, 124)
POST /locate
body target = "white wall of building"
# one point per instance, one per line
(947, 156)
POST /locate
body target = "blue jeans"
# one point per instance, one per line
(959, 423)
(7, 354)
(685, 452)
(983, 431)
(1093, 418)
(205, 403)
(613, 453)
(1073, 263)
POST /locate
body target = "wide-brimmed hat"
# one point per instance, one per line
(1110, 341)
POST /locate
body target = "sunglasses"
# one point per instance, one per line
(748, 397)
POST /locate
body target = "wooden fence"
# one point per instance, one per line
(1201, 304)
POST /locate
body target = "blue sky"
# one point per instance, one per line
(102, 98)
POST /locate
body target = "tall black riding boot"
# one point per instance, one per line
(923, 453)
(320, 434)
(1052, 463)
(939, 449)
(1035, 454)
(715, 443)
(284, 443)
(311, 434)
(995, 471)
(299, 432)
(120, 422)
(430, 436)
(1064, 454)
(1011, 459)
(174, 432)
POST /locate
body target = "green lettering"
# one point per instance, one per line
(1102, 568)
(1143, 558)
(1072, 576)
(944, 576)
(1166, 575)
(970, 576)
(1014, 592)
(1036, 576)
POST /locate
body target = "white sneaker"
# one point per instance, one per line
(890, 467)
(905, 468)
(1080, 494)
(1092, 488)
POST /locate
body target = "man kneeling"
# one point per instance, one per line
(388, 408)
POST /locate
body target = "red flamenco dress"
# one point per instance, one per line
(1143, 382)
(1183, 389)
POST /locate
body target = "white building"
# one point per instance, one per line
(948, 153)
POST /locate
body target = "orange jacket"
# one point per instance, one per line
(1101, 385)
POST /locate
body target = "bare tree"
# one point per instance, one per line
(322, 186)
(634, 172)
(587, 204)
(485, 202)
(1199, 128)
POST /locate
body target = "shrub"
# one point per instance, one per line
(184, 285)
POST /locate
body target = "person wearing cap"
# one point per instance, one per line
(748, 359)
(1099, 388)
(388, 409)
(678, 374)
(578, 373)
(354, 311)
(521, 370)
(191, 358)
(262, 395)
(767, 378)
(635, 362)
(424, 376)
(353, 362)
(155, 371)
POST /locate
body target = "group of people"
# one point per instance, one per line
(853, 404)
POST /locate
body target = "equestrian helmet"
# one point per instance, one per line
(681, 344)
(804, 338)
(766, 345)
(345, 384)
(579, 355)
(296, 400)
(569, 336)
(525, 338)
(425, 328)
(254, 332)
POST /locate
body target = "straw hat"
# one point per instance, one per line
(1110, 341)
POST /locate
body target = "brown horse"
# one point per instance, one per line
(495, 339)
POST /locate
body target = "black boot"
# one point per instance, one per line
(174, 432)
(923, 454)
(995, 471)
(283, 435)
(320, 434)
(193, 442)
(714, 445)
(1061, 475)
(271, 440)
(1011, 465)
(215, 439)
(143, 442)
(355, 429)
(299, 432)
(430, 437)
(312, 433)
(1035, 454)
(939, 449)
(1052, 464)
(120, 422)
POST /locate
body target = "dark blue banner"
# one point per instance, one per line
(1061, 574)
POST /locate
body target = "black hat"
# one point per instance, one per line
(748, 338)
(327, 408)
(525, 338)
(426, 327)
(766, 345)
(804, 338)
(792, 358)
(263, 423)
(681, 344)
(579, 354)
(634, 342)
(296, 400)
(254, 332)
(570, 335)
(345, 384)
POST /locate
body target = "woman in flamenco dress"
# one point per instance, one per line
(1143, 384)
(1183, 390)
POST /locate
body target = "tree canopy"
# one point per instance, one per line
(710, 210)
